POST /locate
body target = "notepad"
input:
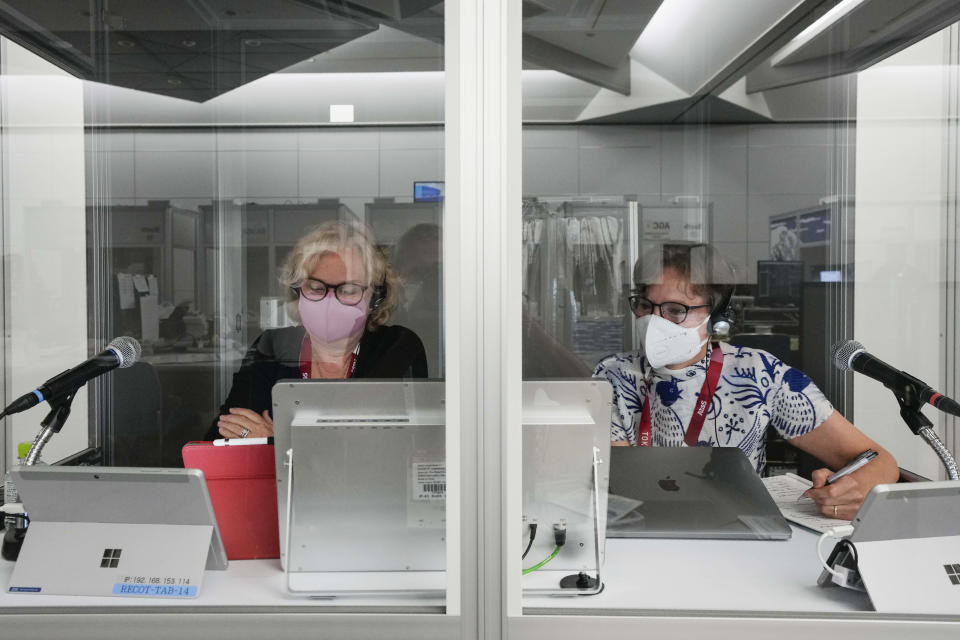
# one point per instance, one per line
(785, 491)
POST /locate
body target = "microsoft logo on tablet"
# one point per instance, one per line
(111, 558)
(953, 572)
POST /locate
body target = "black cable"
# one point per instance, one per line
(533, 534)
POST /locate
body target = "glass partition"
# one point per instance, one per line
(746, 184)
(253, 193)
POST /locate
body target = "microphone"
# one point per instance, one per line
(121, 352)
(851, 356)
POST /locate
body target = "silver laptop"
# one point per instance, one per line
(116, 531)
(907, 541)
(689, 492)
(367, 503)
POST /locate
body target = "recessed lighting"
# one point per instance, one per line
(341, 113)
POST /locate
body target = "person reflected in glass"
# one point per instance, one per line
(683, 387)
(343, 291)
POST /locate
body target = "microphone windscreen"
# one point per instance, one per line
(843, 351)
(127, 350)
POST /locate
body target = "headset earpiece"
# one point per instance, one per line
(379, 296)
(721, 318)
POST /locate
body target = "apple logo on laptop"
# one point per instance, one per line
(668, 484)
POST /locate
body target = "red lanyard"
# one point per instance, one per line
(306, 360)
(692, 436)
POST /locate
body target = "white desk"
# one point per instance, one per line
(710, 575)
(654, 588)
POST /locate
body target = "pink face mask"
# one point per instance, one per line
(329, 320)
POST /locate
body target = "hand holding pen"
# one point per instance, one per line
(837, 493)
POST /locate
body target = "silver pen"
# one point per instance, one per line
(853, 465)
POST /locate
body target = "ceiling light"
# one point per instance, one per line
(125, 43)
(341, 113)
(189, 43)
(252, 43)
(174, 81)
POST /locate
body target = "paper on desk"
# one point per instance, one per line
(128, 299)
(785, 491)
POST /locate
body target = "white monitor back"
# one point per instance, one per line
(564, 423)
(369, 479)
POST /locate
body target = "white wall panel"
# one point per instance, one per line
(258, 140)
(729, 217)
(168, 174)
(790, 169)
(174, 140)
(399, 168)
(551, 171)
(619, 136)
(349, 139)
(45, 284)
(619, 170)
(339, 173)
(254, 175)
(411, 138)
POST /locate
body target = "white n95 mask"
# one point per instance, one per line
(665, 343)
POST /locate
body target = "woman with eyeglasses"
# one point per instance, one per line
(343, 290)
(686, 388)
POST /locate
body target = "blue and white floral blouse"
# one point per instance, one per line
(755, 390)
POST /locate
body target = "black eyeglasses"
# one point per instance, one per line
(348, 293)
(675, 312)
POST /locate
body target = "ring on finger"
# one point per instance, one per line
(245, 432)
(834, 506)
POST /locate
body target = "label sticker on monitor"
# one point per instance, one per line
(429, 481)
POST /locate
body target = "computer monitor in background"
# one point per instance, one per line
(566, 426)
(779, 283)
(428, 191)
(367, 487)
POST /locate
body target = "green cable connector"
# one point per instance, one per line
(540, 564)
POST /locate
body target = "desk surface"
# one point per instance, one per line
(689, 575)
(711, 575)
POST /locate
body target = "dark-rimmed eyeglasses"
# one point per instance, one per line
(675, 312)
(348, 293)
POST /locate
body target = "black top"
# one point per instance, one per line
(388, 352)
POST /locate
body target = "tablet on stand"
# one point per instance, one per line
(116, 531)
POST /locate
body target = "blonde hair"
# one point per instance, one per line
(337, 236)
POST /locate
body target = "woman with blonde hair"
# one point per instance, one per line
(343, 291)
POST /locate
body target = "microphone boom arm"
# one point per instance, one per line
(59, 412)
(910, 403)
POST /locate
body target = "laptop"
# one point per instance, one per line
(243, 489)
(115, 531)
(689, 492)
(907, 542)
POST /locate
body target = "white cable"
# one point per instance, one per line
(841, 531)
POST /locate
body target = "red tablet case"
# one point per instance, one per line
(243, 489)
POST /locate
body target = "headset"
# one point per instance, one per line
(721, 317)
(379, 296)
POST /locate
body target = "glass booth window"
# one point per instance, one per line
(252, 194)
(714, 206)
